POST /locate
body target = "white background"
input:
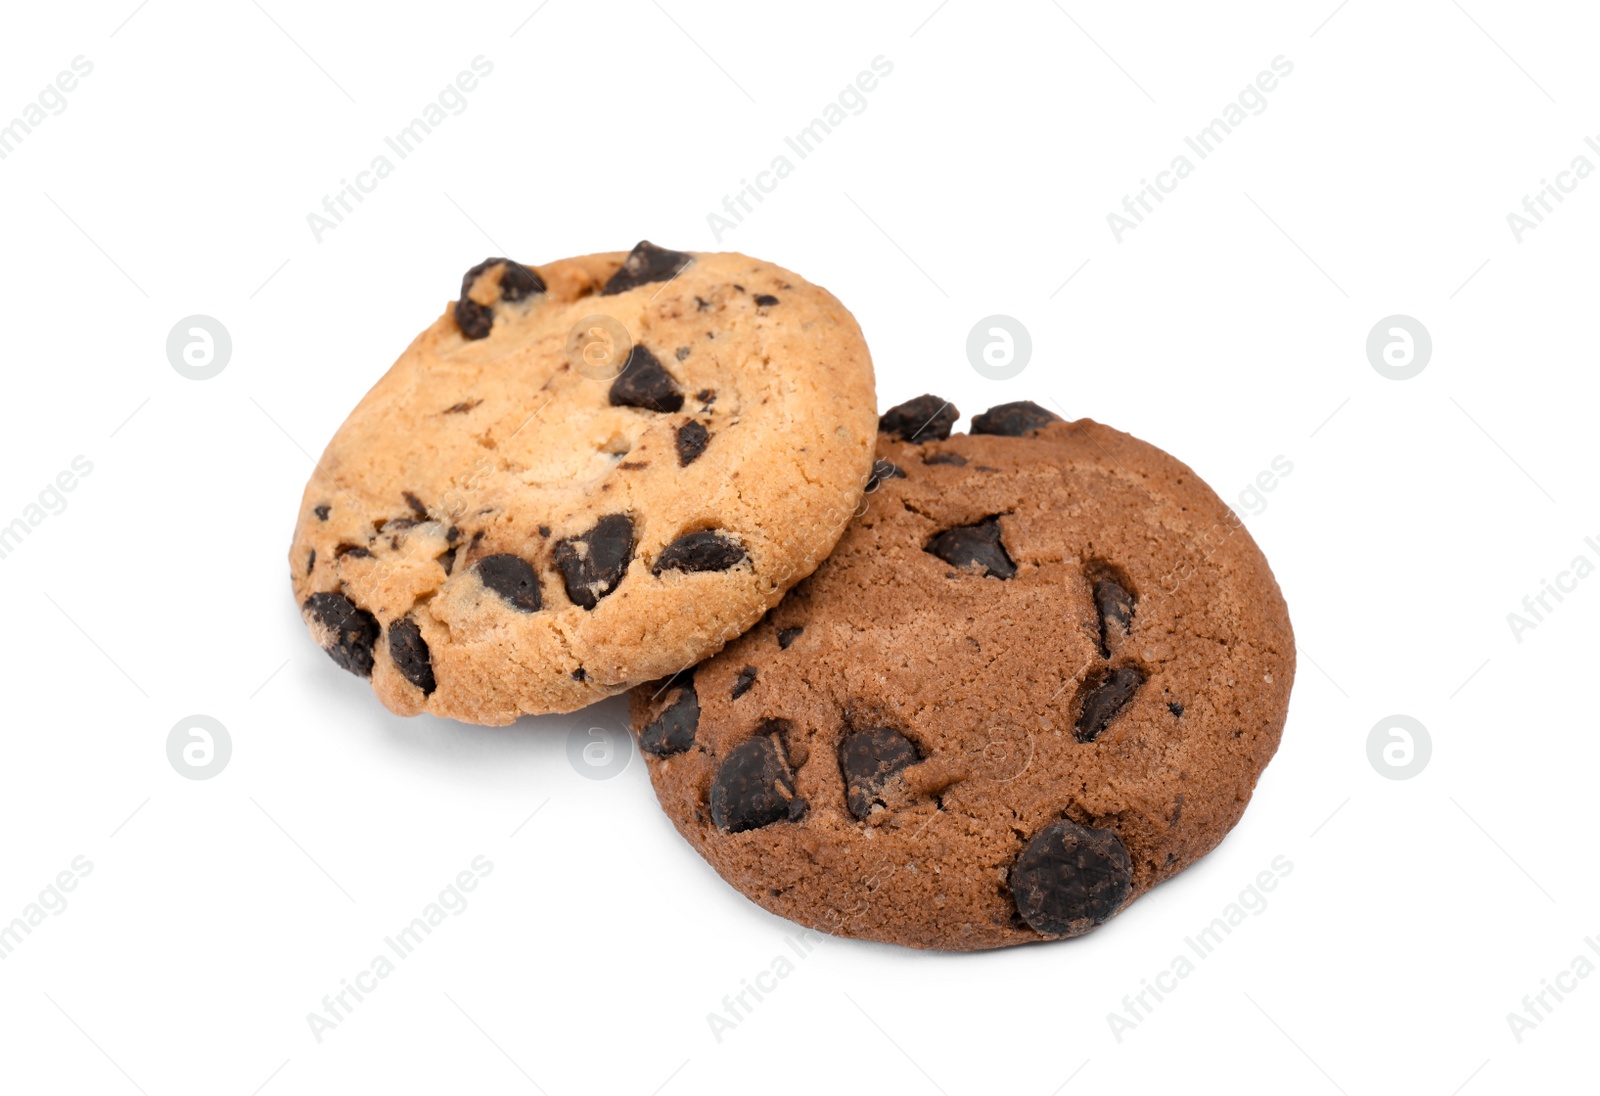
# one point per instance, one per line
(1229, 328)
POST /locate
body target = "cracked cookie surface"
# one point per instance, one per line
(508, 524)
(1041, 673)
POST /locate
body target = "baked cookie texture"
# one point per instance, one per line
(507, 525)
(1040, 674)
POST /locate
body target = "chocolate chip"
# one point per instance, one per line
(979, 544)
(693, 438)
(882, 470)
(322, 511)
(513, 578)
(673, 731)
(311, 561)
(707, 396)
(1070, 878)
(742, 683)
(415, 503)
(765, 300)
(1106, 694)
(410, 653)
(754, 787)
(593, 563)
(447, 559)
(516, 282)
(350, 631)
(1175, 708)
(1116, 612)
(788, 636)
(703, 551)
(644, 383)
(646, 263)
(868, 759)
(926, 418)
(342, 550)
(544, 530)
(946, 458)
(579, 674)
(1012, 420)
(451, 535)
(473, 319)
(683, 352)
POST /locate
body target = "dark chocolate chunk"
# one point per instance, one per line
(410, 653)
(702, 551)
(868, 759)
(1105, 695)
(979, 544)
(946, 458)
(926, 418)
(311, 561)
(322, 511)
(707, 396)
(544, 530)
(1175, 708)
(683, 352)
(516, 282)
(1070, 878)
(342, 550)
(673, 731)
(451, 535)
(693, 438)
(350, 631)
(787, 636)
(513, 578)
(474, 319)
(742, 683)
(1012, 420)
(644, 383)
(416, 504)
(579, 674)
(447, 559)
(593, 563)
(765, 300)
(646, 263)
(882, 470)
(1116, 612)
(754, 787)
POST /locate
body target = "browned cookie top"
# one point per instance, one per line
(1038, 675)
(584, 475)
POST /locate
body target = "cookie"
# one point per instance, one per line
(584, 475)
(1041, 673)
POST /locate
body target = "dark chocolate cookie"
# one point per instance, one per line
(1040, 674)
